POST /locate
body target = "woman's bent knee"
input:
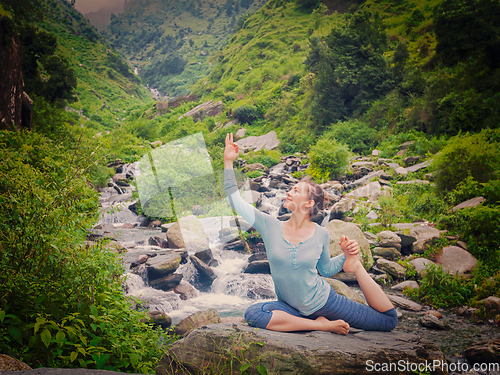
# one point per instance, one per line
(255, 316)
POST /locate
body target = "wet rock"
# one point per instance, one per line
(164, 264)
(483, 352)
(7, 363)
(407, 283)
(299, 352)
(392, 268)
(187, 230)
(474, 202)
(269, 141)
(259, 292)
(454, 259)
(420, 265)
(118, 247)
(404, 303)
(166, 283)
(206, 274)
(343, 289)
(197, 320)
(424, 236)
(387, 238)
(185, 290)
(205, 255)
(258, 266)
(338, 228)
(237, 245)
(390, 253)
(157, 241)
(430, 321)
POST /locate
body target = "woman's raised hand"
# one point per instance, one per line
(231, 151)
(349, 247)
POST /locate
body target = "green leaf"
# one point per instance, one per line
(16, 334)
(244, 367)
(2, 315)
(93, 310)
(46, 337)
(102, 360)
(73, 356)
(262, 370)
(60, 336)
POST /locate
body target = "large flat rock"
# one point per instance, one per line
(297, 353)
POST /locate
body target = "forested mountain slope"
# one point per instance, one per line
(169, 41)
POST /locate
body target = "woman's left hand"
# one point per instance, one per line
(349, 247)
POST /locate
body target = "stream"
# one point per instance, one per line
(229, 292)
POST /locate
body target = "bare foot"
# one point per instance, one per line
(335, 326)
(352, 263)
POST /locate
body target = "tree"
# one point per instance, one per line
(467, 28)
(351, 71)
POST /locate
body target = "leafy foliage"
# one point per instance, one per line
(351, 71)
(329, 159)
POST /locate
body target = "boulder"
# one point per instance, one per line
(255, 167)
(159, 318)
(401, 171)
(258, 266)
(205, 273)
(483, 352)
(419, 166)
(188, 230)
(436, 313)
(343, 289)
(157, 241)
(240, 134)
(404, 303)
(424, 235)
(338, 228)
(366, 179)
(295, 352)
(390, 253)
(205, 255)
(372, 191)
(454, 259)
(185, 290)
(471, 203)
(207, 109)
(197, 320)
(431, 321)
(166, 283)
(410, 160)
(340, 208)
(387, 238)
(392, 268)
(164, 264)
(405, 284)
(269, 141)
(491, 304)
(8, 363)
(420, 265)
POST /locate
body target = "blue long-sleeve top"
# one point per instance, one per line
(294, 269)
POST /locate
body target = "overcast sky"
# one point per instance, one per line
(86, 6)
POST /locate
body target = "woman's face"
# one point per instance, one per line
(298, 199)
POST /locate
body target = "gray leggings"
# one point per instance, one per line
(358, 315)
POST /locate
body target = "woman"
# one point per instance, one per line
(296, 249)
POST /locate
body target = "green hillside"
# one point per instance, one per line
(169, 41)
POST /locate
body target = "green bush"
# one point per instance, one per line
(61, 303)
(477, 155)
(357, 135)
(329, 159)
(480, 228)
(246, 114)
(440, 289)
